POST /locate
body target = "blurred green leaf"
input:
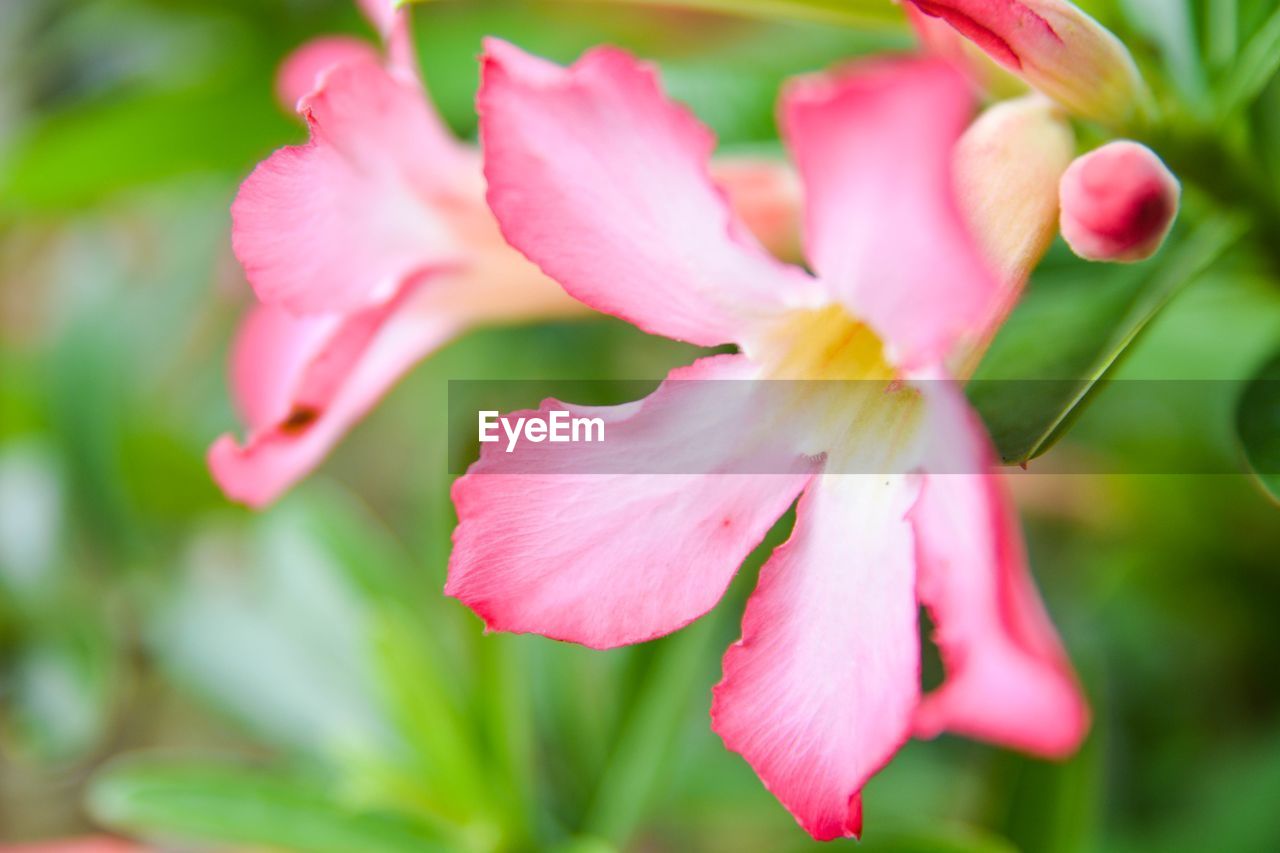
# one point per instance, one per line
(648, 735)
(231, 804)
(1258, 425)
(1169, 23)
(1064, 339)
(1257, 64)
(268, 624)
(32, 516)
(79, 156)
(64, 682)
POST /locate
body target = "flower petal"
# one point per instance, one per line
(820, 690)
(1008, 679)
(602, 181)
(874, 148)
(606, 559)
(303, 382)
(343, 221)
(302, 70)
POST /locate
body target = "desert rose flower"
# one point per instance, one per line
(1056, 48)
(1118, 203)
(371, 246)
(603, 182)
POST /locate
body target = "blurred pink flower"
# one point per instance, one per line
(1118, 203)
(603, 182)
(370, 247)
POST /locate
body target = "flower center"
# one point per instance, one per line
(822, 344)
(833, 385)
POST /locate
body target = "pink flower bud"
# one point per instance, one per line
(1056, 48)
(1118, 202)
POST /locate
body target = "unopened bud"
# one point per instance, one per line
(1056, 48)
(1007, 168)
(1118, 203)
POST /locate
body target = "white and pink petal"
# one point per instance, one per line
(820, 691)
(623, 541)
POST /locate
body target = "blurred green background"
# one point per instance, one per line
(180, 670)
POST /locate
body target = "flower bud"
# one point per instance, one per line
(1007, 167)
(1056, 48)
(1118, 203)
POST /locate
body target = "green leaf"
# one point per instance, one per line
(1048, 361)
(1258, 425)
(270, 624)
(644, 748)
(1258, 63)
(82, 155)
(237, 804)
(850, 13)
(64, 682)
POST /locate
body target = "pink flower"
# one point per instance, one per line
(1118, 203)
(603, 182)
(369, 247)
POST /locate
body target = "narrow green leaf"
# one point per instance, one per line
(1258, 425)
(1063, 341)
(648, 736)
(236, 804)
(1258, 63)
(851, 13)
(1223, 25)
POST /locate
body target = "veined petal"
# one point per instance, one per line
(1008, 679)
(606, 559)
(342, 222)
(820, 691)
(602, 182)
(303, 69)
(303, 382)
(883, 230)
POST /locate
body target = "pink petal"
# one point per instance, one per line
(606, 559)
(343, 221)
(1008, 679)
(301, 70)
(303, 382)
(601, 181)
(819, 692)
(874, 149)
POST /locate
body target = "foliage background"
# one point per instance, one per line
(177, 668)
